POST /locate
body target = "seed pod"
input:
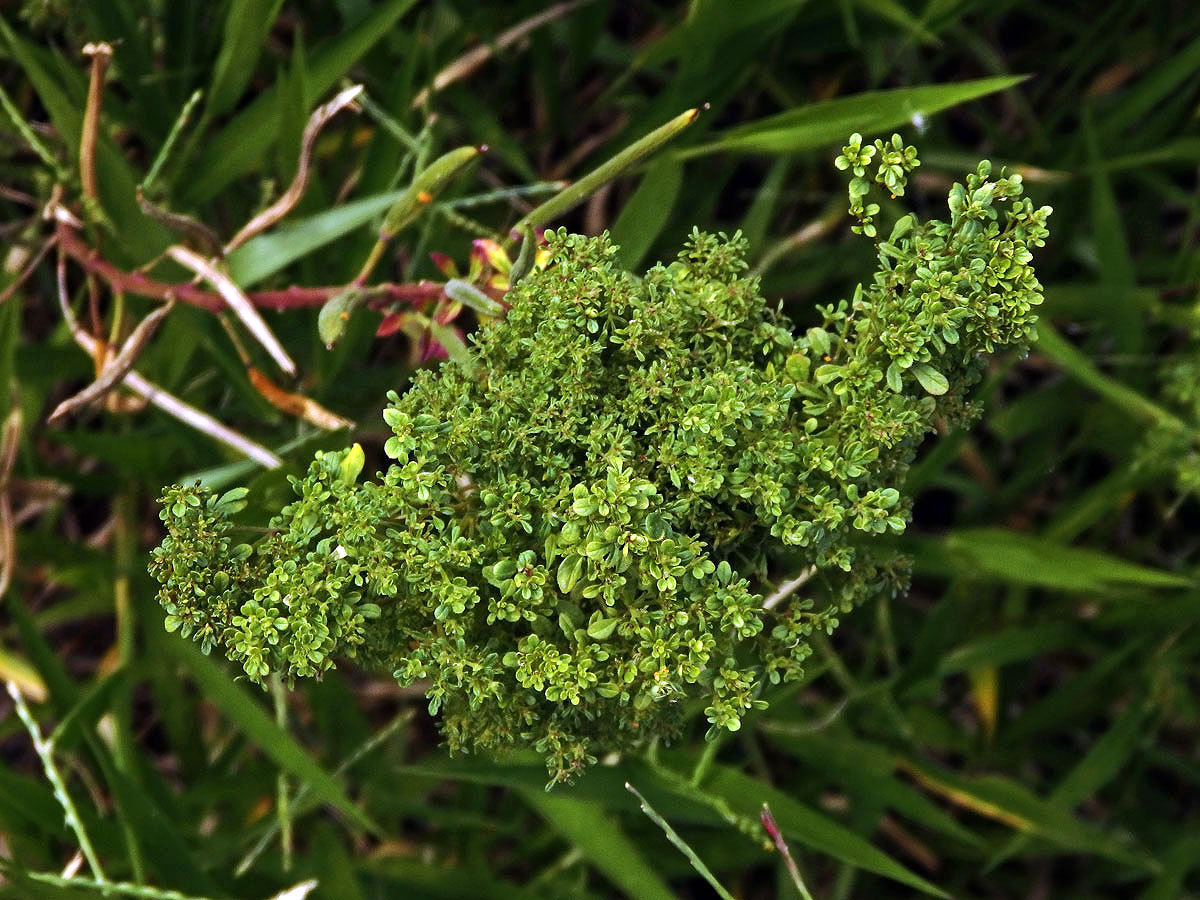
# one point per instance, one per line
(425, 188)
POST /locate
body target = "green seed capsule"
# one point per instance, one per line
(425, 188)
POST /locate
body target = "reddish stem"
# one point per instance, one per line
(288, 298)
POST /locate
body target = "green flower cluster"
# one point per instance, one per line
(572, 543)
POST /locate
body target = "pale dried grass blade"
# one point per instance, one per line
(296, 404)
(167, 402)
(237, 301)
(466, 64)
(281, 207)
(115, 369)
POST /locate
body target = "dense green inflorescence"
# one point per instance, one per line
(572, 544)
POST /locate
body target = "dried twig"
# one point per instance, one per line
(296, 404)
(202, 236)
(29, 269)
(115, 369)
(8, 455)
(466, 64)
(237, 301)
(281, 207)
(165, 401)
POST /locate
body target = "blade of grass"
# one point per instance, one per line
(1104, 760)
(1010, 803)
(1000, 555)
(264, 255)
(1179, 859)
(45, 752)
(745, 795)
(826, 122)
(647, 211)
(247, 24)
(261, 729)
(602, 842)
(1072, 361)
(238, 148)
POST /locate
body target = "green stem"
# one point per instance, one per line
(283, 806)
(45, 752)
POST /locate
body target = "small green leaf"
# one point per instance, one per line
(233, 501)
(931, 379)
(599, 628)
(569, 571)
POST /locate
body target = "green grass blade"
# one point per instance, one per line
(240, 146)
(618, 165)
(998, 555)
(829, 121)
(1011, 803)
(247, 24)
(264, 255)
(804, 825)
(1009, 645)
(647, 211)
(1076, 364)
(1180, 858)
(1104, 760)
(680, 843)
(869, 770)
(261, 729)
(598, 837)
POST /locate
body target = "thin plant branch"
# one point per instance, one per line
(29, 269)
(30, 137)
(164, 152)
(286, 298)
(167, 402)
(281, 207)
(237, 301)
(283, 804)
(45, 752)
(469, 62)
(788, 588)
(681, 844)
(115, 369)
(768, 821)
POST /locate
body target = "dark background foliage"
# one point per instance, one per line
(1024, 724)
